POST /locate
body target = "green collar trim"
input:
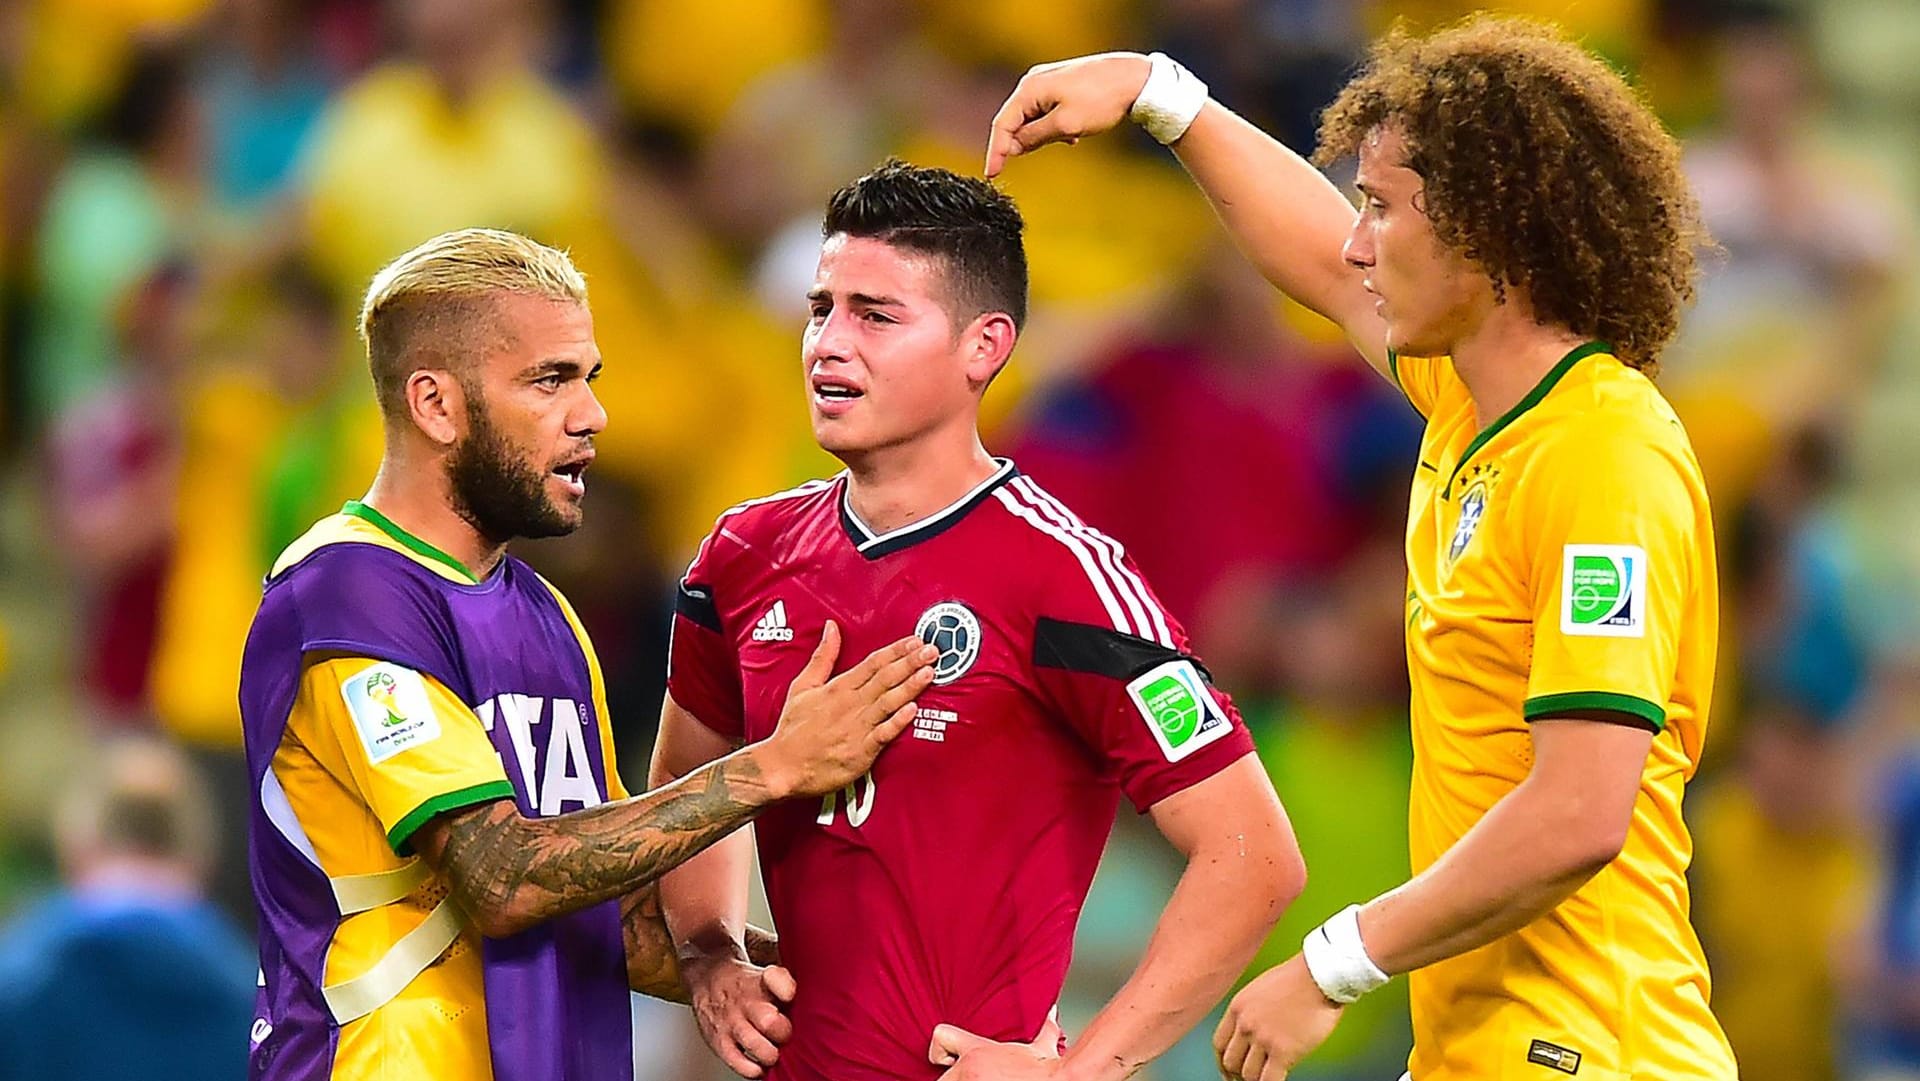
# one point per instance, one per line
(1532, 399)
(356, 509)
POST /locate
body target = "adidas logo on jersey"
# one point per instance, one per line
(773, 626)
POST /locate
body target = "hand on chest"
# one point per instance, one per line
(979, 664)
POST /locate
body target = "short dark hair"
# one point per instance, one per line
(972, 227)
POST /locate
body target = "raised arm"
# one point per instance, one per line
(511, 872)
(1281, 211)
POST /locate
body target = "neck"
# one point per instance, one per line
(1506, 356)
(901, 485)
(418, 499)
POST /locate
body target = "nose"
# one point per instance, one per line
(589, 418)
(1358, 250)
(831, 339)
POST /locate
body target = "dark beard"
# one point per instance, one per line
(501, 497)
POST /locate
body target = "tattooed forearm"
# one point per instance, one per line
(652, 968)
(763, 947)
(511, 872)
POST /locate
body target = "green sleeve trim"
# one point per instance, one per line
(1651, 714)
(401, 835)
(357, 509)
(1533, 398)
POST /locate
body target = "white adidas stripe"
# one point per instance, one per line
(1151, 618)
(1080, 552)
(1101, 548)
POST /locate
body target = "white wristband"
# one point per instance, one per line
(1338, 960)
(1171, 99)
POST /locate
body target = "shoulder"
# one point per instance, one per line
(380, 90)
(761, 522)
(1073, 570)
(1619, 420)
(359, 595)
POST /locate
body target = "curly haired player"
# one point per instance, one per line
(1523, 250)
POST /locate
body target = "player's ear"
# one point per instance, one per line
(437, 405)
(989, 346)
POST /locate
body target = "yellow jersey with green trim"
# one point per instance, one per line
(384, 684)
(1561, 562)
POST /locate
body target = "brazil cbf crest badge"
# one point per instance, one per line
(1473, 507)
(953, 629)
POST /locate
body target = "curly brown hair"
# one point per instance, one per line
(1542, 167)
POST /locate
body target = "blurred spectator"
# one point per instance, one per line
(460, 131)
(77, 51)
(681, 64)
(126, 971)
(1777, 875)
(263, 93)
(1276, 62)
(1793, 579)
(112, 464)
(1217, 400)
(1883, 973)
(825, 119)
(117, 207)
(1793, 323)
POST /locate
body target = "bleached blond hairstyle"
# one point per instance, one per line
(433, 306)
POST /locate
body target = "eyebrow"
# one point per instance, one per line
(866, 300)
(560, 365)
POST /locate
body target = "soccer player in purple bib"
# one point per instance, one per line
(941, 889)
(452, 881)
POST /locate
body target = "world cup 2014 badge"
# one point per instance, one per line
(953, 629)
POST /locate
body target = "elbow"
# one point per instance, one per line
(498, 920)
(1272, 878)
(1589, 846)
(1290, 879)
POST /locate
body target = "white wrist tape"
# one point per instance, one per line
(1338, 959)
(1171, 99)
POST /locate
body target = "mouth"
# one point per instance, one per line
(834, 395)
(573, 474)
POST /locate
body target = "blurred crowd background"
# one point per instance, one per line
(196, 192)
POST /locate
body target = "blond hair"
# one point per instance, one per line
(431, 307)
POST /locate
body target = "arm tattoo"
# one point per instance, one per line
(652, 967)
(511, 872)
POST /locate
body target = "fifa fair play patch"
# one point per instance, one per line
(1603, 591)
(1179, 708)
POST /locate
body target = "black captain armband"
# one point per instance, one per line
(696, 604)
(1100, 651)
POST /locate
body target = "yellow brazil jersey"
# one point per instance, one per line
(355, 803)
(1561, 559)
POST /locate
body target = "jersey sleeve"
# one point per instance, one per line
(703, 670)
(1119, 670)
(1616, 534)
(412, 748)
